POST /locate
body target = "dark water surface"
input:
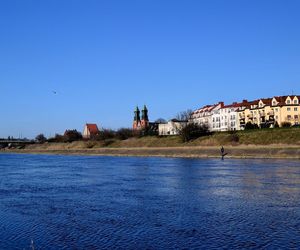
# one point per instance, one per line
(76, 202)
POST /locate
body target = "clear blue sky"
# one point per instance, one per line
(105, 57)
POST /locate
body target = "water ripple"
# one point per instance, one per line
(71, 202)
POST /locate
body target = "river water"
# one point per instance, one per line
(85, 202)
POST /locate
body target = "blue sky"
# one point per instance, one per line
(105, 57)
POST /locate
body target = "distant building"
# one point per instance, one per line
(90, 130)
(142, 123)
(204, 115)
(138, 123)
(172, 127)
(226, 118)
(264, 112)
(267, 112)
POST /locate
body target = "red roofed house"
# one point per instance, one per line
(203, 116)
(90, 130)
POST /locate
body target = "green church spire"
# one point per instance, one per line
(145, 113)
(137, 114)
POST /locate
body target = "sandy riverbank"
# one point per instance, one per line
(247, 151)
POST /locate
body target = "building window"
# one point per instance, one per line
(289, 117)
(295, 101)
(288, 102)
(295, 109)
(288, 109)
(296, 117)
(276, 110)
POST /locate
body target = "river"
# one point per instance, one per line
(90, 202)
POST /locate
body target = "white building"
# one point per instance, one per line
(204, 115)
(172, 127)
(226, 118)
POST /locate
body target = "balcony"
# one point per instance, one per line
(262, 113)
(271, 118)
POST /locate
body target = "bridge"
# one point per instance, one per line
(14, 143)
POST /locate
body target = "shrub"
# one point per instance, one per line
(264, 125)
(40, 138)
(193, 131)
(56, 138)
(149, 131)
(124, 133)
(250, 125)
(106, 134)
(286, 124)
(72, 135)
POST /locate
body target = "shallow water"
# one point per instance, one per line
(78, 202)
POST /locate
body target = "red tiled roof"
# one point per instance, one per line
(233, 105)
(267, 101)
(92, 128)
(282, 99)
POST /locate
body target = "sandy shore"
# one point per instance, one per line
(252, 151)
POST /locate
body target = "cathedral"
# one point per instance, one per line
(139, 123)
(142, 123)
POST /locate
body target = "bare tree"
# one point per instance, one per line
(40, 138)
(193, 131)
(184, 115)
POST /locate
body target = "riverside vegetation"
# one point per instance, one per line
(192, 141)
(126, 138)
(254, 143)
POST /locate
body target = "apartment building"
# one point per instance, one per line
(204, 115)
(267, 112)
(226, 118)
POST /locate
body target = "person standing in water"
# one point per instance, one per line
(223, 153)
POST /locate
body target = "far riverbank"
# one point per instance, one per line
(241, 151)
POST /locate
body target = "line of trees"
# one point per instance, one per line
(188, 132)
(105, 134)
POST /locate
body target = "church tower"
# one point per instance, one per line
(145, 119)
(137, 119)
